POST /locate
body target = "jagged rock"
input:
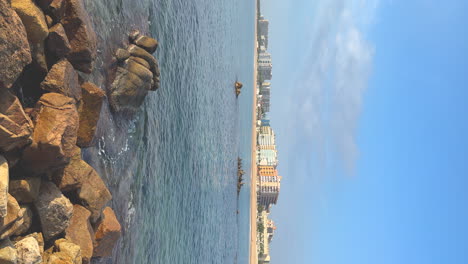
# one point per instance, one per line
(33, 19)
(122, 54)
(26, 221)
(44, 4)
(81, 36)
(57, 9)
(107, 233)
(15, 53)
(63, 79)
(28, 251)
(15, 126)
(141, 61)
(152, 61)
(128, 91)
(59, 258)
(94, 195)
(54, 209)
(37, 236)
(7, 252)
(89, 111)
(25, 190)
(73, 175)
(80, 232)
(147, 43)
(4, 178)
(39, 58)
(70, 250)
(57, 41)
(49, 21)
(54, 138)
(13, 220)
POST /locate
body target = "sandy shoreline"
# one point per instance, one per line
(253, 259)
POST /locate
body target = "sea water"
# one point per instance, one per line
(172, 167)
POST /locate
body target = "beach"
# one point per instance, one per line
(253, 259)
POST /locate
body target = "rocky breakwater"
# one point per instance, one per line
(52, 203)
(136, 74)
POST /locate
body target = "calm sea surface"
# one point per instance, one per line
(172, 167)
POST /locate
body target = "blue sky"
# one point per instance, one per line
(370, 108)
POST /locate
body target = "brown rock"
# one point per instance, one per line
(141, 61)
(57, 9)
(39, 58)
(94, 195)
(122, 54)
(80, 232)
(89, 111)
(33, 19)
(81, 35)
(59, 258)
(4, 177)
(14, 48)
(13, 220)
(147, 43)
(63, 79)
(107, 233)
(7, 252)
(69, 249)
(15, 126)
(25, 190)
(54, 210)
(37, 236)
(49, 21)
(73, 174)
(128, 91)
(57, 42)
(44, 4)
(26, 221)
(28, 251)
(141, 53)
(138, 69)
(54, 138)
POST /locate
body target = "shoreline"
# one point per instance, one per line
(253, 257)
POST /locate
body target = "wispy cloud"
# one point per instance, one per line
(330, 87)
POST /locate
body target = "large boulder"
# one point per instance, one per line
(13, 220)
(25, 190)
(81, 36)
(54, 209)
(7, 252)
(14, 48)
(144, 42)
(139, 52)
(15, 126)
(33, 19)
(128, 91)
(4, 178)
(94, 195)
(37, 236)
(54, 138)
(63, 79)
(57, 42)
(28, 251)
(72, 176)
(107, 233)
(80, 232)
(89, 111)
(70, 251)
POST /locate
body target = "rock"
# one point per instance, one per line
(128, 91)
(141, 61)
(59, 258)
(15, 53)
(37, 236)
(39, 58)
(94, 195)
(25, 190)
(7, 252)
(89, 112)
(13, 220)
(141, 53)
(27, 220)
(57, 42)
(63, 79)
(4, 178)
(54, 210)
(107, 233)
(80, 232)
(73, 175)
(44, 4)
(57, 9)
(54, 138)
(81, 36)
(122, 54)
(69, 249)
(15, 126)
(146, 43)
(33, 19)
(28, 251)
(49, 21)
(133, 35)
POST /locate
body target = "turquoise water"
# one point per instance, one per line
(172, 167)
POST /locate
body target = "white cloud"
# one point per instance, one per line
(333, 80)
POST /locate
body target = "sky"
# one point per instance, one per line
(369, 105)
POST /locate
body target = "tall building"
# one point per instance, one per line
(269, 184)
(262, 31)
(265, 89)
(264, 64)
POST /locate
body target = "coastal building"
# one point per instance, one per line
(262, 31)
(268, 186)
(264, 236)
(264, 66)
(265, 89)
(265, 122)
(266, 139)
